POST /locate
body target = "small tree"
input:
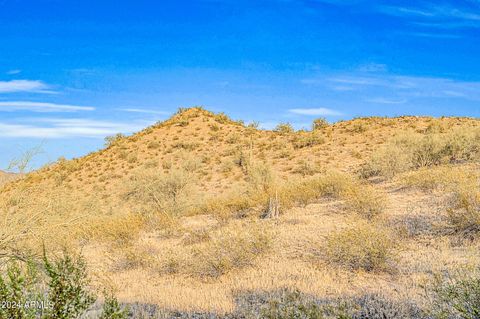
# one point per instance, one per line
(284, 128)
(320, 124)
(113, 139)
(22, 163)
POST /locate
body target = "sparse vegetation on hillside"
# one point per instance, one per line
(361, 247)
(191, 214)
(415, 150)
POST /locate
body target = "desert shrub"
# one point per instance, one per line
(334, 183)
(291, 304)
(189, 146)
(233, 139)
(284, 128)
(243, 160)
(222, 118)
(228, 249)
(161, 192)
(18, 288)
(365, 200)
(442, 177)
(132, 158)
(463, 145)
(427, 151)
(231, 204)
(67, 287)
(358, 127)
(253, 125)
(377, 306)
(16, 228)
(214, 127)
(306, 168)
(153, 145)
(387, 161)
(55, 289)
(114, 139)
(111, 308)
(261, 177)
(307, 140)
(320, 124)
(464, 210)
(363, 247)
(121, 230)
(455, 297)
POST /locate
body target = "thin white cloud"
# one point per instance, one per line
(381, 100)
(433, 35)
(395, 88)
(437, 16)
(12, 106)
(433, 11)
(15, 86)
(315, 111)
(13, 72)
(67, 128)
(373, 67)
(144, 111)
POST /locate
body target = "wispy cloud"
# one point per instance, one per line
(436, 15)
(373, 67)
(13, 72)
(12, 106)
(382, 100)
(433, 11)
(396, 89)
(433, 35)
(15, 86)
(315, 111)
(144, 111)
(67, 128)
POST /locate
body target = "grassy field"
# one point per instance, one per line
(204, 216)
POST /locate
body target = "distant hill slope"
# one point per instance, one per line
(7, 177)
(215, 150)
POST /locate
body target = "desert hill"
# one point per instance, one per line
(196, 211)
(215, 148)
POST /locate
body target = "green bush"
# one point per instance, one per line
(292, 306)
(67, 287)
(57, 289)
(112, 308)
(320, 124)
(456, 297)
(16, 290)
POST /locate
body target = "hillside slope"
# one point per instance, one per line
(204, 214)
(216, 149)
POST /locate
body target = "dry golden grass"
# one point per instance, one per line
(361, 247)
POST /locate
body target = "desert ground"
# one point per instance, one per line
(202, 216)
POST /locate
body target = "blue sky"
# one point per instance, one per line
(72, 72)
